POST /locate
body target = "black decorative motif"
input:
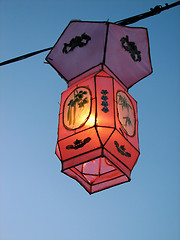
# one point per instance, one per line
(78, 144)
(104, 102)
(128, 121)
(78, 41)
(131, 48)
(122, 149)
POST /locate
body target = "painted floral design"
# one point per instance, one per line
(104, 102)
(126, 113)
(78, 101)
(77, 108)
(124, 103)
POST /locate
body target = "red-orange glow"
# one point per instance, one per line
(98, 151)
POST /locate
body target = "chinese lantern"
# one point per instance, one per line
(98, 126)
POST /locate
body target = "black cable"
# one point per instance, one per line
(24, 56)
(153, 11)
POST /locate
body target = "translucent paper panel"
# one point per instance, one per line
(104, 133)
(118, 146)
(79, 143)
(77, 108)
(105, 108)
(87, 82)
(102, 149)
(79, 159)
(126, 113)
(97, 174)
(127, 53)
(80, 48)
(80, 105)
(129, 131)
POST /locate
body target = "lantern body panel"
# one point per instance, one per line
(118, 146)
(133, 139)
(57, 152)
(76, 59)
(87, 47)
(87, 83)
(98, 153)
(105, 96)
(79, 144)
(127, 53)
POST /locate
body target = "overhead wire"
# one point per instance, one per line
(153, 11)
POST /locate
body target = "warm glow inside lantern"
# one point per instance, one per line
(98, 135)
(98, 127)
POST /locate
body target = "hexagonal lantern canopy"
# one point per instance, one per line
(87, 47)
(98, 132)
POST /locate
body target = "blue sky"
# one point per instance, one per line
(37, 201)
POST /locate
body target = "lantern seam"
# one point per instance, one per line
(123, 163)
(86, 72)
(104, 188)
(94, 175)
(109, 136)
(76, 179)
(117, 78)
(105, 45)
(99, 174)
(83, 154)
(114, 103)
(119, 161)
(98, 136)
(58, 140)
(81, 162)
(75, 133)
(127, 139)
(149, 55)
(57, 145)
(137, 122)
(95, 184)
(95, 88)
(79, 175)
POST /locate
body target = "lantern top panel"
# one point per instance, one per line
(87, 47)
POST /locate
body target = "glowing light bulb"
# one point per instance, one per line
(91, 120)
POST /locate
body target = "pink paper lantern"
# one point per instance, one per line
(98, 127)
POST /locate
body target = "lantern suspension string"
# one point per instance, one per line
(153, 11)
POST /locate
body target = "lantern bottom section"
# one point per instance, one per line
(98, 174)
